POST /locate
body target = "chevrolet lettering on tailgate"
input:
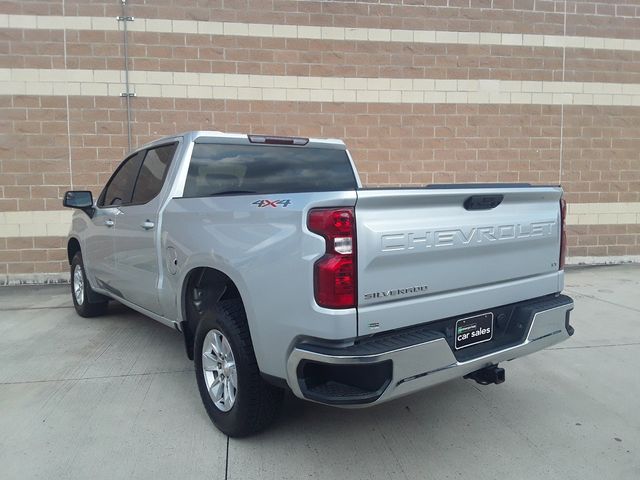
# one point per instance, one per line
(461, 236)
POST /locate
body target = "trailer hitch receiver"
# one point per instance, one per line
(485, 376)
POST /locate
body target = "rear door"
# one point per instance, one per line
(433, 253)
(137, 257)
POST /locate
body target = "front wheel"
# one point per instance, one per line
(236, 397)
(86, 302)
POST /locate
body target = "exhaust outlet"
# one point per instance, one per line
(485, 376)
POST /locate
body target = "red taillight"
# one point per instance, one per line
(334, 275)
(563, 232)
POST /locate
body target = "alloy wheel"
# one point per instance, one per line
(78, 285)
(219, 368)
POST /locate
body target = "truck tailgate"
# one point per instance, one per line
(427, 254)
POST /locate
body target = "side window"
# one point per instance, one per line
(120, 187)
(153, 172)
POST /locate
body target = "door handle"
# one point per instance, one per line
(109, 223)
(147, 225)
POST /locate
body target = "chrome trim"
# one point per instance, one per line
(425, 364)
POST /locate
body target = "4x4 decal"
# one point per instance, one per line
(272, 203)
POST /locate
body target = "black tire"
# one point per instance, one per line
(92, 304)
(257, 402)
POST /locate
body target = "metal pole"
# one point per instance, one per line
(127, 93)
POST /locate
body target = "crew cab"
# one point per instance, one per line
(283, 273)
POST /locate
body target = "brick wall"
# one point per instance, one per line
(421, 91)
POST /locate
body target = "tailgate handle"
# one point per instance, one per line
(483, 202)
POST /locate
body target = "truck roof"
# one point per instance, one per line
(211, 136)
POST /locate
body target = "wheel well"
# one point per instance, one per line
(73, 247)
(202, 287)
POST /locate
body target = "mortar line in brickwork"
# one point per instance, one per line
(64, 43)
(564, 57)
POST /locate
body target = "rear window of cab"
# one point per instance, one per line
(222, 169)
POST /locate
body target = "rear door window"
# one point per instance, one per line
(218, 169)
(153, 172)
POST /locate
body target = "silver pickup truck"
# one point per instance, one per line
(283, 272)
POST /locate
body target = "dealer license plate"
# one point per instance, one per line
(474, 330)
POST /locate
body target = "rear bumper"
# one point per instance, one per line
(389, 366)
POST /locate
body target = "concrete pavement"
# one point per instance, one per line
(115, 397)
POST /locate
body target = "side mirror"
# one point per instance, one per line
(81, 199)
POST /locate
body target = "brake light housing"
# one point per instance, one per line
(275, 140)
(563, 233)
(335, 274)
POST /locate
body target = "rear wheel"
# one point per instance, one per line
(237, 399)
(86, 302)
